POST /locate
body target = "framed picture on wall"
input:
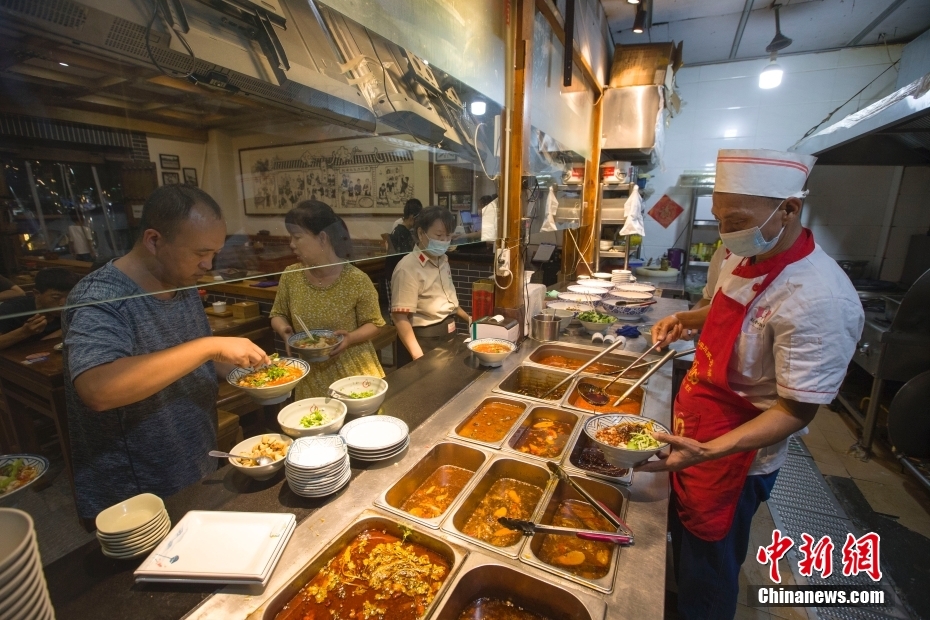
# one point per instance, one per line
(170, 178)
(170, 162)
(190, 176)
(354, 176)
(443, 201)
(442, 156)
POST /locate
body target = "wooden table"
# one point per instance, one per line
(40, 386)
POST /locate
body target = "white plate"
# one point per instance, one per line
(594, 291)
(25, 599)
(578, 297)
(141, 532)
(375, 453)
(316, 452)
(636, 288)
(297, 474)
(594, 283)
(321, 480)
(135, 546)
(630, 295)
(23, 575)
(19, 561)
(321, 491)
(374, 433)
(602, 275)
(19, 588)
(570, 306)
(216, 544)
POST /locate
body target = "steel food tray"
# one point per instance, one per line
(368, 519)
(570, 460)
(615, 499)
(467, 457)
(500, 467)
(572, 397)
(454, 434)
(535, 414)
(584, 353)
(482, 576)
(539, 378)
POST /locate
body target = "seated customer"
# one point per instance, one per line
(52, 288)
(140, 362)
(327, 293)
(8, 290)
(401, 236)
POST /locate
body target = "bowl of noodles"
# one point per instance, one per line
(314, 346)
(270, 384)
(491, 351)
(625, 440)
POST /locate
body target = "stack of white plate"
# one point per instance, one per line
(23, 593)
(317, 466)
(132, 527)
(583, 289)
(375, 438)
(208, 546)
(621, 276)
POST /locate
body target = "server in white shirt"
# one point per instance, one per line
(775, 343)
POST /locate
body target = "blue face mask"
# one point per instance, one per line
(437, 247)
(750, 242)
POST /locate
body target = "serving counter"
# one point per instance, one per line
(432, 396)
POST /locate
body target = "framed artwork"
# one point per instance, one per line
(443, 201)
(170, 178)
(190, 176)
(170, 162)
(442, 156)
(354, 176)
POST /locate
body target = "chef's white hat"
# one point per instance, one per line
(761, 172)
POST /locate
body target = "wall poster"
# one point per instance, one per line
(354, 176)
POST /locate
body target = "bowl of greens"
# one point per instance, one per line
(595, 322)
(312, 416)
(625, 440)
(316, 345)
(363, 395)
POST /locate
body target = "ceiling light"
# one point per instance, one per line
(639, 24)
(730, 133)
(771, 75)
(632, 1)
(478, 108)
(63, 64)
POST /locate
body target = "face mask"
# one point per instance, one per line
(750, 242)
(437, 247)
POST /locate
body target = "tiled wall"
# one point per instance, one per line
(725, 108)
(911, 217)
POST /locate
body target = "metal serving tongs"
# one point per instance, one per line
(597, 395)
(655, 367)
(528, 528)
(613, 519)
(645, 364)
(582, 367)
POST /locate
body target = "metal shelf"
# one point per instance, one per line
(613, 253)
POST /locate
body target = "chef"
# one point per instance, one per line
(775, 343)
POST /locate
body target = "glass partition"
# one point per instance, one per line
(432, 82)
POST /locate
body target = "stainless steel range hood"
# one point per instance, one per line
(894, 131)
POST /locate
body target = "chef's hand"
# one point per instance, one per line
(240, 352)
(35, 325)
(667, 330)
(342, 346)
(685, 453)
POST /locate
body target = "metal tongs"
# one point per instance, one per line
(528, 528)
(605, 512)
(582, 367)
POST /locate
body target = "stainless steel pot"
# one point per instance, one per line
(544, 327)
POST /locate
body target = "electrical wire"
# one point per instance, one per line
(148, 47)
(480, 160)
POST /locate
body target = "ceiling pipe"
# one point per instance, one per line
(875, 22)
(737, 39)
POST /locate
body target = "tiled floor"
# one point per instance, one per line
(888, 490)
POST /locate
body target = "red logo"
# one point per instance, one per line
(773, 553)
(817, 556)
(860, 555)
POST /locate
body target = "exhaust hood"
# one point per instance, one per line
(894, 131)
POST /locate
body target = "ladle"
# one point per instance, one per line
(597, 395)
(655, 367)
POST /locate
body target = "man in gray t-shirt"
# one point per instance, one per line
(140, 364)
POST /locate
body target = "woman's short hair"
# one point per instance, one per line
(318, 217)
(429, 215)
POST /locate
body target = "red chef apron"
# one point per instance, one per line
(706, 407)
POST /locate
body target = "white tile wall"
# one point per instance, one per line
(723, 107)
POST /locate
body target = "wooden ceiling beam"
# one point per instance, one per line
(109, 120)
(188, 87)
(51, 75)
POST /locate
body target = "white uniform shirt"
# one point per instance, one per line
(797, 337)
(422, 286)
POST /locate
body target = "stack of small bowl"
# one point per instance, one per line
(133, 527)
(23, 592)
(317, 466)
(621, 276)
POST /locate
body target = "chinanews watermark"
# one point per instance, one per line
(858, 556)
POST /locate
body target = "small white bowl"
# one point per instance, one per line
(630, 296)
(595, 328)
(492, 360)
(259, 472)
(334, 415)
(274, 394)
(621, 457)
(130, 514)
(360, 383)
(603, 275)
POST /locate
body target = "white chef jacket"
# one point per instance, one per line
(797, 337)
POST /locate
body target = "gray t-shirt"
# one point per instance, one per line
(158, 445)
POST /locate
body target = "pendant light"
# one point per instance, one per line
(639, 24)
(772, 74)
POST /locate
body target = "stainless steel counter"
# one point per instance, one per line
(639, 587)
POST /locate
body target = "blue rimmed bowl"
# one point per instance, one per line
(615, 455)
(271, 395)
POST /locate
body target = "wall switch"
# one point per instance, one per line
(502, 261)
